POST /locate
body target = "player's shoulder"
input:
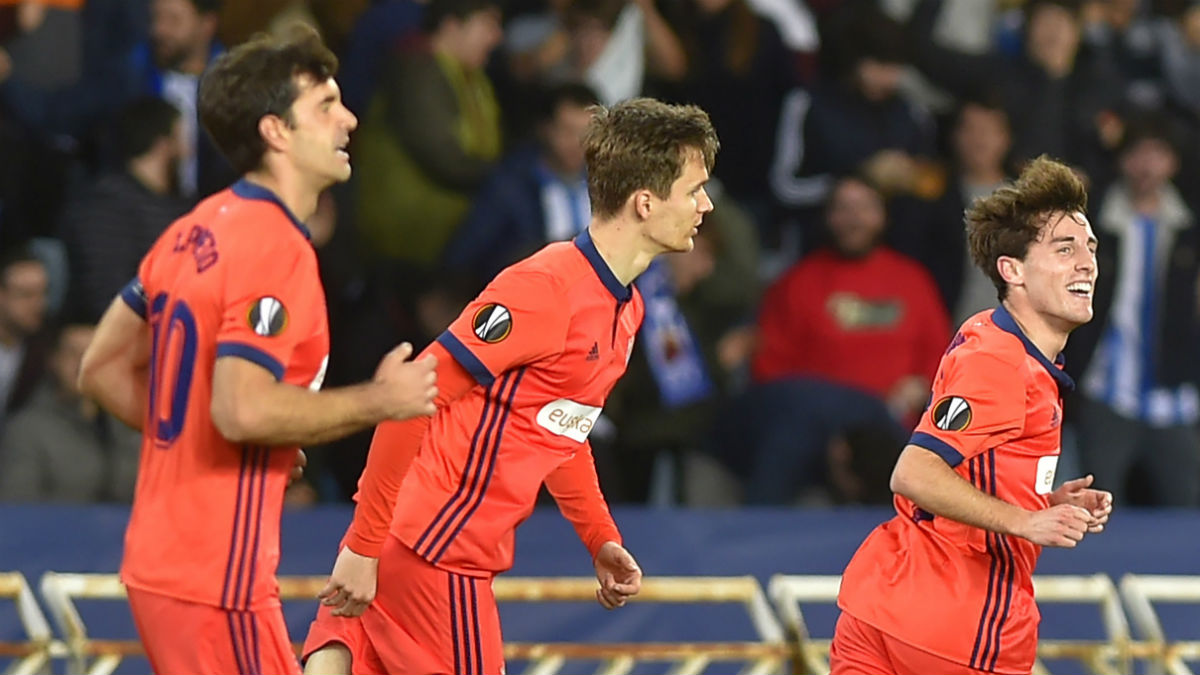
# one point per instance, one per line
(980, 343)
(548, 271)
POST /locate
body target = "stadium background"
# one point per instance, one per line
(89, 173)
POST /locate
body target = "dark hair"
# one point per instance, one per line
(640, 144)
(140, 124)
(438, 11)
(1072, 6)
(1150, 124)
(1005, 222)
(553, 96)
(18, 255)
(254, 79)
(207, 6)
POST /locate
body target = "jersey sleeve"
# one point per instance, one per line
(576, 489)
(519, 318)
(978, 402)
(134, 293)
(268, 300)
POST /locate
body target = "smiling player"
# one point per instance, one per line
(946, 586)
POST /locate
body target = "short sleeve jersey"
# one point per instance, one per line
(546, 341)
(961, 592)
(236, 277)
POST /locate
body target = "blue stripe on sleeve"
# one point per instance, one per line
(466, 359)
(134, 295)
(936, 445)
(252, 354)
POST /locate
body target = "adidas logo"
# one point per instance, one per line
(594, 353)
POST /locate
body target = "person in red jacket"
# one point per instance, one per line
(524, 373)
(848, 337)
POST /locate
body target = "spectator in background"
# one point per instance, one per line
(855, 121)
(182, 44)
(738, 70)
(1139, 358)
(1060, 98)
(981, 140)
(849, 336)
(112, 222)
(685, 362)
(535, 195)
(23, 283)
(61, 447)
(431, 135)
(376, 31)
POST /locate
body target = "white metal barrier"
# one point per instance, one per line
(1107, 656)
(1139, 593)
(33, 654)
(93, 656)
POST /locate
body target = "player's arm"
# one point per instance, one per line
(924, 477)
(978, 404)
(250, 405)
(351, 585)
(115, 367)
(576, 489)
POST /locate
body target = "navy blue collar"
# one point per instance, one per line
(583, 241)
(1005, 321)
(247, 190)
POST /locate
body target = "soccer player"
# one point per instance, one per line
(523, 374)
(217, 351)
(946, 585)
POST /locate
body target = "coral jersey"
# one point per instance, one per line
(961, 592)
(546, 341)
(235, 277)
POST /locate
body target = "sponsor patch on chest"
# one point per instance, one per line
(565, 417)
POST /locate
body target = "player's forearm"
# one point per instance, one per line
(926, 479)
(120, 392)
(282, 414)
(576, 489)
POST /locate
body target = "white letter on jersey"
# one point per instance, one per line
(568, 418)
(1043, 482)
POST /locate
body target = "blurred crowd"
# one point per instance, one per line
(785, 360)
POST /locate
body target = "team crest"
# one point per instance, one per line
(267, 316)
(952, 414)
(492, 323)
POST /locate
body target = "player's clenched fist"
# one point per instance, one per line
(1062, 525)
(410, 386)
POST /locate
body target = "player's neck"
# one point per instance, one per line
(621, 246)
(1049, 339)
(297, 196)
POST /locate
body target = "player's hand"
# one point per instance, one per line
(1062, 525)
(409, 387)
(1078, 492)
(351, 586)
(298, 465)
(619, 575)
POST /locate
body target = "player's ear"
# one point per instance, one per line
(1011, 270)
(274, 130)
(642, 203)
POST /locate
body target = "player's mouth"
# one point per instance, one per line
(1080, 289)
(343, 152)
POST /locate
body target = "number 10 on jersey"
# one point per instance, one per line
(172, 361)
